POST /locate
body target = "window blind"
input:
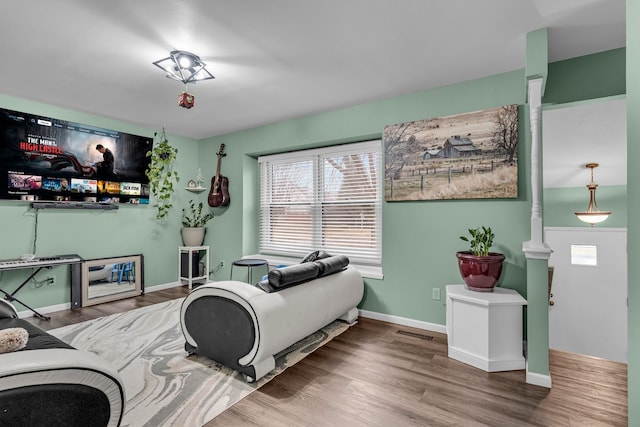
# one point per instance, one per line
(327, 198)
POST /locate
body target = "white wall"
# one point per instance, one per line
(589, 314)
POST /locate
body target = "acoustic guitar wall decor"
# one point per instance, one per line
(219, 193)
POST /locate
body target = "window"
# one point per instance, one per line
(584, 255)
(328, 199)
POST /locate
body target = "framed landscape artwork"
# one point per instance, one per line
(465, 156)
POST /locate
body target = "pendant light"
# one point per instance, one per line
(592, 215)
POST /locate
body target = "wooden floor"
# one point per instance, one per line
(382, 374)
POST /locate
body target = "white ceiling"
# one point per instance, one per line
(275, 59)
(594, 132)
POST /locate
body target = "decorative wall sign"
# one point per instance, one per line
(465, 156)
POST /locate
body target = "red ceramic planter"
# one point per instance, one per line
(480, 273)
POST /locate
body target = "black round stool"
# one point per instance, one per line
(250, 263)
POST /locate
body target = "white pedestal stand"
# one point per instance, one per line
(186, 273)
(485, 328)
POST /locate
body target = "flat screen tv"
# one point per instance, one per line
(43, 158)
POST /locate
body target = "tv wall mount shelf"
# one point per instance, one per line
(74, 205)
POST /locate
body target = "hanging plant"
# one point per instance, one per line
(161, 174)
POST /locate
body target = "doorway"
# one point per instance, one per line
(589, 288)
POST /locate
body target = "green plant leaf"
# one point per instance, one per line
(194, 216)
(481, 240)
(161, 174)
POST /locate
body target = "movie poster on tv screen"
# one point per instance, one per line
(43, 157)
(19, 181)
(55, 184)
(109, 187)
(84, 186)
(130, 188)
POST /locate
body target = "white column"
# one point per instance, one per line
(537, 254)
(535, 248)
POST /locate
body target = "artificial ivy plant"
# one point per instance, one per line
(161, 174)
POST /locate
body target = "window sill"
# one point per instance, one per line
(274, 260)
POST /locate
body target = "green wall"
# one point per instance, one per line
(419, 238)
(132, 229)
(584, 78)
(561, 203)
(633, 231)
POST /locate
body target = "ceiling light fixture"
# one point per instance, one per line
(184, 67)
(187, 68)
(592, 215)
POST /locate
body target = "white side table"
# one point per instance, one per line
(189, 264)
(484, 329)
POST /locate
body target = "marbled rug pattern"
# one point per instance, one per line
(164, 386)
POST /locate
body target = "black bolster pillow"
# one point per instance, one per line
(294, 274)
(331, 265)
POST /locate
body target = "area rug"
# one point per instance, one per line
(164, 386)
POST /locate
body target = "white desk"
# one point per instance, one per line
(484, 329)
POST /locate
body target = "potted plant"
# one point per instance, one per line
(480, 268)
(161, 174)
(193, 222)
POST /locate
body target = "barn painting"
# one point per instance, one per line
(465, 156)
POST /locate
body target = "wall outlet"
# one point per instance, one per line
(51, 281)
(218, 267)
(435, 293)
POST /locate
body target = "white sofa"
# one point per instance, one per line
(50, 383)
(243, 326)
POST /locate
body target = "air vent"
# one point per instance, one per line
(416, 335)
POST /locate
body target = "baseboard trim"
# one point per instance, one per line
(434, 327)
(538, 379)
(67, 306)
(164, 286)
(484, 363)
(173, 285)
(45, 310)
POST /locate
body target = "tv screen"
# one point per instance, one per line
(43, 158)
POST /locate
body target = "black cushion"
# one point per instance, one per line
(54, 405)
(293, 275)
(38, 339)
(314, 256)
(265, 286)
(332, 264)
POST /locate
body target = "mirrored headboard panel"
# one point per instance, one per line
(110, 279)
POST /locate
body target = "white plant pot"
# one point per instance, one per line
(193, 236)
